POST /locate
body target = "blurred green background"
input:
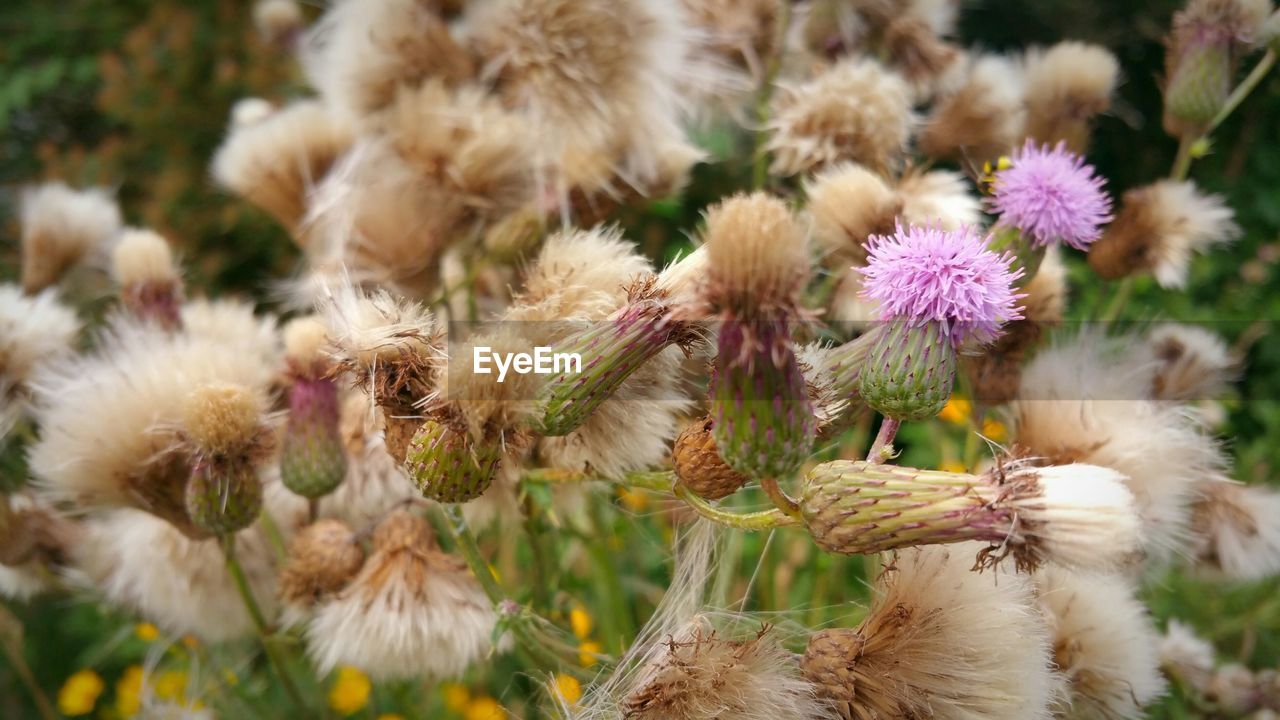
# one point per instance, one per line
(134, 94)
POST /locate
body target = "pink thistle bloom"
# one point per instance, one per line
(950, 276)
(1051, 195)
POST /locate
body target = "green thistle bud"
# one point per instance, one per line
(764, 421)
(447, 465)
(611, 351)
(910, 370)
(312, 463)
(223, 498)
(1199, 80)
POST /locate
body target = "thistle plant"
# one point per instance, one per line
(828, 436)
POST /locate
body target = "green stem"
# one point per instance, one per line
(1242, 90)
(760, 166)
(537, 646)
(659, 481)
(19, 663)
(617, 624)
(1121, 297)
(541, 568)
(259, 620)
(751, 522)
(781, 500)
(1182, 161)
(882, 448)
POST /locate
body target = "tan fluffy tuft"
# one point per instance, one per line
(276, 161)
(306, 340)
(940, 641)
(1103, 644)
(982, 116)
(855, 110)
(278, 20)
(1235, 530)
(1067, 85)
(322, 558)
(142, 256)
(34, 330)
(938, 198)
(847, 204)
(1159, 229)
(1195, 363)
(60, 227)
(757, 254)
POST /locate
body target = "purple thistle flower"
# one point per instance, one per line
(1051, 195)
(926, 273)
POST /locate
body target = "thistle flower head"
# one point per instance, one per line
(982, 115)
(848, 203)
(34, 329)
(305, 341)
(1103, 642)
(924, 274)
(1067, 85)
(1234, 531)
(221, 419)
(1194, 363)
(938, 198)
(939, 641)
(150, 287)
(1051, 196)
(322, 558)
(757, 256)
(60, 227)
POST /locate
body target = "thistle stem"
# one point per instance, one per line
(517, 615)
(259, 620)
(1242, 90)
(760, 164)
(751, 522)
(1121, 297)
(1182, 161)
(660, 481)
(13, 652)
(617, 625)
(882, 448)
(780, 499)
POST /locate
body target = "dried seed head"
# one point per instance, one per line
(277, 161)
(222, 420)
(35, 331)
(856, 111)
(150, 288)
(1067, 85)
(1234, 530)
(848, 204)
(60, 227)
(1103, 643)
(938, 198)
(1159, 229)
(411, 612)
(983, 117)
(1195, 363)
(701, 675)
(361, 53)
(757, 256)
(322, 559)
(699, 466)
(941, 642)
(914, 47)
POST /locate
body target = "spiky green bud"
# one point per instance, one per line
(909, 371)
(312, 463)
(1199, 83)
(447, 465)
(222, 497)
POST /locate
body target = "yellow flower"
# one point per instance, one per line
(587, 652)
(456, 696)
(995, 430)
(350, 692)
(634, 500)
(580, 621)
(953, 466)
(568, 688)
(171, 685)
(956, 411)
(80, 693)
(146, 632)
(129, 691)
(484, 708)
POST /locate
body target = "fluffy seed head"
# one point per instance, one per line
(847, 204)
(1066, 86)
(60, 227)
(277, 20)
(1084, 514)
(34, 330)
(221, 419)
(277, 160)
(940, 641)
(1235, 531)
(1195, 363)
(305, 341)
(142, 256)
(856, 110)
(757, 255)
(1051, 196)
(701, 675)
(1183, 653)
(250, 110)
(388, 341)
(412, 611)
(322, 558)
(938, 198)
(983, 117)
(926, 274)
(1159, 229)
(1103, 644)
